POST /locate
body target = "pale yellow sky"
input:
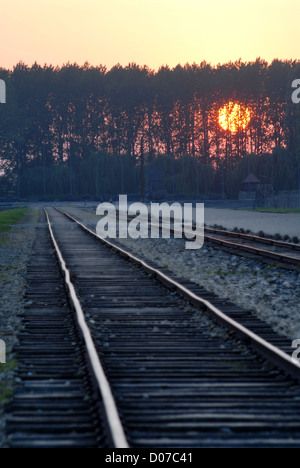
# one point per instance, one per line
(151, 32)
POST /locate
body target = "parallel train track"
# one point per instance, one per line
(165, 378)
(270, 250)
(284, 254)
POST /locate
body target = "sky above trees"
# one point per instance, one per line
(151, 32)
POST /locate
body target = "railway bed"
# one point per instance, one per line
(264, 249)
(285, 254)
(54, 405)
(175, 383)
(177, 379)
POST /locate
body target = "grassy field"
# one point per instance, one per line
(273, 210)
(10, 217)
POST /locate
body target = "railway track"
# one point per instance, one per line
(175, 379)
(270, 250)
(284, 254)
(58, 402)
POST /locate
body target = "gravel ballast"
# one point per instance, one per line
(15, 248)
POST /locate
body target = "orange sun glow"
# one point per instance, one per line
(234, 117)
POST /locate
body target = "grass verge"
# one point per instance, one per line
(10, 217)
(6, 384)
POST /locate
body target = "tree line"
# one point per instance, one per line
(81, 130)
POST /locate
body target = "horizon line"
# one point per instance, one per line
(165, 65)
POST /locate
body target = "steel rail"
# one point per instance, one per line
(274, 354)
(115, 426)
(253, 237)
(257, 251)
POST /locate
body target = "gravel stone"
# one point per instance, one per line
(15, 249)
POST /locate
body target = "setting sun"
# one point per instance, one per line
(234, 117)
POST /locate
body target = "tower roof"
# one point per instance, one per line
(251, 179)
